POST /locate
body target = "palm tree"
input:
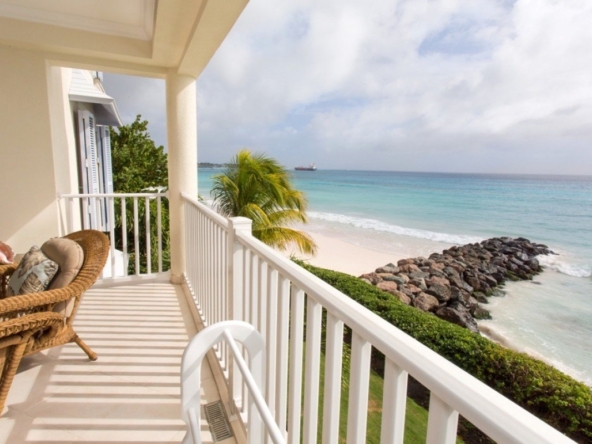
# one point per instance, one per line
(258, 187)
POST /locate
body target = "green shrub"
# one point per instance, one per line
(556, 398)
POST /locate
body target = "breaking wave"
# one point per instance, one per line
(376, 225)
(553, 263)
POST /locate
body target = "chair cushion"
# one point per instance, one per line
(33, 274)
(69, 257)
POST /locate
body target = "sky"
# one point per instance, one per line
(485, 86)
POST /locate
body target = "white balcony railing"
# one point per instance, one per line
(135, 224)
(234, 276)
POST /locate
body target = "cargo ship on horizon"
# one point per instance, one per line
(311, 167)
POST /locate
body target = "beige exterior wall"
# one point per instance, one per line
(35, 118)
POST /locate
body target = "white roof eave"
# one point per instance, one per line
(83, 89)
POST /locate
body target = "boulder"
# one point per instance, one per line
(450, 271)
(441, 292)
(407, 292)
(404, 262)
(473, 282)
(534, 264)
(438, 266)
(373, 278)
(409, 268)
(404, 277)
(389, 286)
(399, 279)
(480, 313)
(420, 283)
(387, 277)
(480, 297)
(419, 275)
(435, 280)
(459, 315)
(388, 268)
(403, 297)
(425, 302)
(413, 289)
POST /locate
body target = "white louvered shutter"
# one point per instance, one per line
(89, 168)
(107, 164)
(105, 173)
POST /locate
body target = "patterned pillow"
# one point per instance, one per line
(33, 273)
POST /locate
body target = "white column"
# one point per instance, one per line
(182, 146)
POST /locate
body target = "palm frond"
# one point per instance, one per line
(258, 187)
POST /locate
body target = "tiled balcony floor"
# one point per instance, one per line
(130, 394)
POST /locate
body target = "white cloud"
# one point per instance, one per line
(413, 84)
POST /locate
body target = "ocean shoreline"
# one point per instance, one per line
(339, 254)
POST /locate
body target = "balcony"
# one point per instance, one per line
(140, 329)
(131, 394)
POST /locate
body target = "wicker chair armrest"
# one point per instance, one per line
(25, 302)
(6, 271)
(31, 323)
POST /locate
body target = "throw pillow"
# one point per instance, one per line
(69, 256)
(33, 273)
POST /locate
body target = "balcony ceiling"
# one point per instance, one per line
(145, 37)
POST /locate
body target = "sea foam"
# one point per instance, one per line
(372, 224)
(553, 263)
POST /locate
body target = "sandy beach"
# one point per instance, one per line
(340, 255)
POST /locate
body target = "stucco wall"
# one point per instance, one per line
(30, 170)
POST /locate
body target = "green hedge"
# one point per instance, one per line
(549, 394)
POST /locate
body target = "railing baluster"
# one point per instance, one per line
(247, 287)
(314, 312)
(85, 209)
(262, 298)
(248, 270)
(159, 230)
(136, 238)
(358, 389)
(394, 403)
(442, 422)
(111, 217)
(272, 336)
(333, 369)
(148, 249)
(254, 301)
(296, 345)
(124, 234)
(70, 215)
(281, 394)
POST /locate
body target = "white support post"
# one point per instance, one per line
(182, 161)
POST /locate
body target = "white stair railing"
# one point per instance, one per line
(274, 295)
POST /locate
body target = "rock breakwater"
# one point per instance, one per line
(454, 283)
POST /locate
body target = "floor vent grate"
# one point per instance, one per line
(217, 421)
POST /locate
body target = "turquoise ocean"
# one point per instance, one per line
(416, 214)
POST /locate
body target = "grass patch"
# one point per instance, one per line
(416, 418)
